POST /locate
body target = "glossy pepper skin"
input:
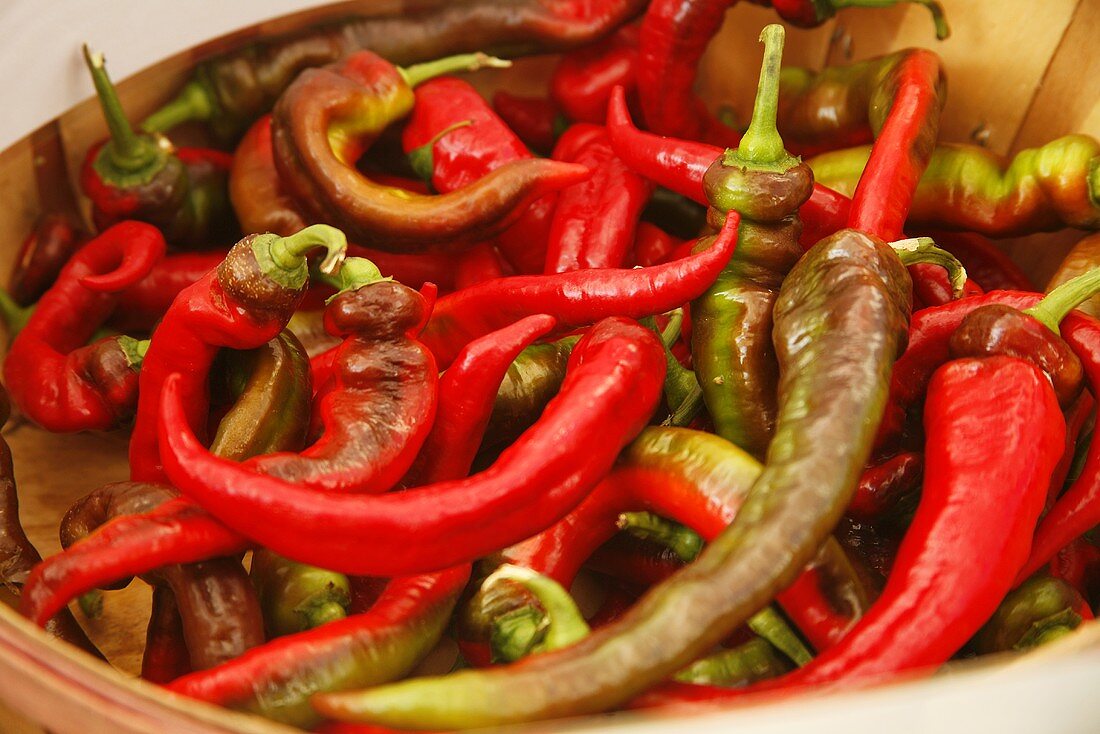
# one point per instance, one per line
(694, 478)
(44, 252)
(165, 657)
(933, 602)
(969, 188)
(536, 121)
(18, 555)
(467, 393)
(231, 91)
(142, 177)
(839, 324)
(453, 139)
(1084, 256)
(242, 304)
(731, 342)
(674, 35)
(380, 644)
(576, 298)
(594, 221)
(582, 81)
(143, 304)
(618, 361)
(295, 597)
(263, 205)
(53, 376)
(328, 117)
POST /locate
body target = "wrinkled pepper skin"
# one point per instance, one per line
(1084, 256)
(969, 188)
(233, 90)
(18, 555)
(328, 117)
(840, 322)
(381, 644)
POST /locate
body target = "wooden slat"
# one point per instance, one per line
(995, 58)
(1068, 100)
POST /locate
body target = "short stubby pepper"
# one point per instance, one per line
(44, 252)
(619, 361)
(143, 177)
(839, 339)
(53, 375)
(231, 91)
(970, 188)
(731, 341)
(328, 117)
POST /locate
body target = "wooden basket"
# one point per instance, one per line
(1020, 73)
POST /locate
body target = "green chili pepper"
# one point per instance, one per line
(731, 340)
(532, 380)
(296, 597)
(1039, 610)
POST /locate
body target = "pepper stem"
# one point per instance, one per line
(317, 612)
(924, 250)
(355, 273)
(567, 625)
(290, 252)
(761, 145)
(127, 151)
(939, 18)
(1059, 302)
(420, 73)
(682, 541)
(421, 159)
(133, 349)
(194, 102)
(14, 316)
(770, 625)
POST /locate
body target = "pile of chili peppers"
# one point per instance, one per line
(418, 360)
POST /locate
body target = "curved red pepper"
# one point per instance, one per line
(611, 389)
(467, 142)
(594, 222)
(533, 119)
(143, 304)
(583, 79)
(466, 394)
(576, 298)
(51, 375)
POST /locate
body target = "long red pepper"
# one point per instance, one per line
(242, 304)
(51, 375)
(143, 304)
(611, 389)
(466, 394)
(582, 81)
(903, 146)
(534, 120)
(576, 298)
(459, 140)
(936, 598)
(595, 220)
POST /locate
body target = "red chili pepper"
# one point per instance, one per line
(653, 245)
(536, 120)
(242, 304)
(882, 486)
(903, 146)
(44, 252)
(165, 657)
(480, 263)
(453, 139)
(143, 304)
(595, 220)
(617, 360)
(582, 81)
(576, 298)
(973, 404)
(679, 165)
(467, 392)
(381, 644)
(51, 375)
(985, 263)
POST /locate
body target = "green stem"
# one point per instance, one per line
(688, 408)
(421, 158)
(15, 317)
(91, 604)
(516, 633)
(939, 18)
(355, 273)
(755, 660)
(684, 542)
(1057, 304)
(770, 625)
(323, 612)
(194, 102)
(761, 145)
(420, 73)
(673, 328)
(133, 349)
(924, 250)
(127, 151)
(567, 625)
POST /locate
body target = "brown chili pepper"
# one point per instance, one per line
(53, 240)
(165, 657)
(232, 90)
